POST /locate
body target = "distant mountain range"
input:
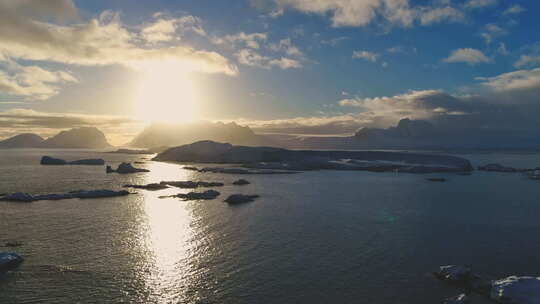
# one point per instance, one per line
(77, 138)
(407, 134)
(159, 135)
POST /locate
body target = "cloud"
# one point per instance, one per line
(492, 31)
(514, 9)
(334, 41)
(119, 129)
(467, 55)
(527, 60)
(165, 29)
(517, 80)
(509, 107)
(252, 58)
(252, 40)
(101, 41)
(286, 46)
(346, 13)
(441, 14)
(31, 82)
(366, 55)
(474, 4)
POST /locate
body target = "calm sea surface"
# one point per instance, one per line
(315, 237)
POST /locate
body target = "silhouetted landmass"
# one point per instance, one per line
(269, 158)
(78, 138)
(25, 140)
(159, 135)
(413, 134)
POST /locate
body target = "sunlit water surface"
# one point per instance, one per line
(315, 237)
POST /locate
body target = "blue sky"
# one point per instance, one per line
(281, 63)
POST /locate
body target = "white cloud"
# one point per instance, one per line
(32, 82)
(101, 41)
(165, 29)
(347, 13)
(441, 14)
(515, 9)
(473, 4)
(286, 46)
(527, 60)
(252, 40)
(522, 79)
(366, 55)
(467, 55)
(250, 57)
(492, 31)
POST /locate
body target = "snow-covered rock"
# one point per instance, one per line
(460, 299)
(9, 261)
(454, 274)
(516, 290)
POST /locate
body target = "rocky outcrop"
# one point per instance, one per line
(240, 199)
(25, 140)
(81, 194)
(196, 196)
(301, 160)
(192, 184)
(9, 261)
(125, 168)
(78, 138)
(241, 182)
(152, 187)
(436, 179)
(516, 290)
(47, 160)
(499, 168)
(509, 290)
(459, 299)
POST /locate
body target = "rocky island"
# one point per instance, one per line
(269, 158)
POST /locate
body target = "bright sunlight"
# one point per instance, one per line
(166, 94)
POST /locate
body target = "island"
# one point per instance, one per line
(270, 158)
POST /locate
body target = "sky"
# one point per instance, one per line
(281, 66)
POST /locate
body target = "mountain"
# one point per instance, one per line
(158, 135)
(78, 138)
(25, 140)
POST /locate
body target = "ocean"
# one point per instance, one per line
(314, 237)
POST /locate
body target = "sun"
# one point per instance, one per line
(166, 93)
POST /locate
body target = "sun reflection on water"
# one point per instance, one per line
(168, 234)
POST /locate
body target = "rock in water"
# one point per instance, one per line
(88, 162)
(9, 261)
(516, 290)
(195, 196)
(47, 160)
(192, 185)
(125, 168)
(152, 187)
(454, 274)
(461, 299)
(28, 198)
(436, 179)
(241, 182)
(240, 199)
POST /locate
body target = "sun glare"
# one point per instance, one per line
(166, 94)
